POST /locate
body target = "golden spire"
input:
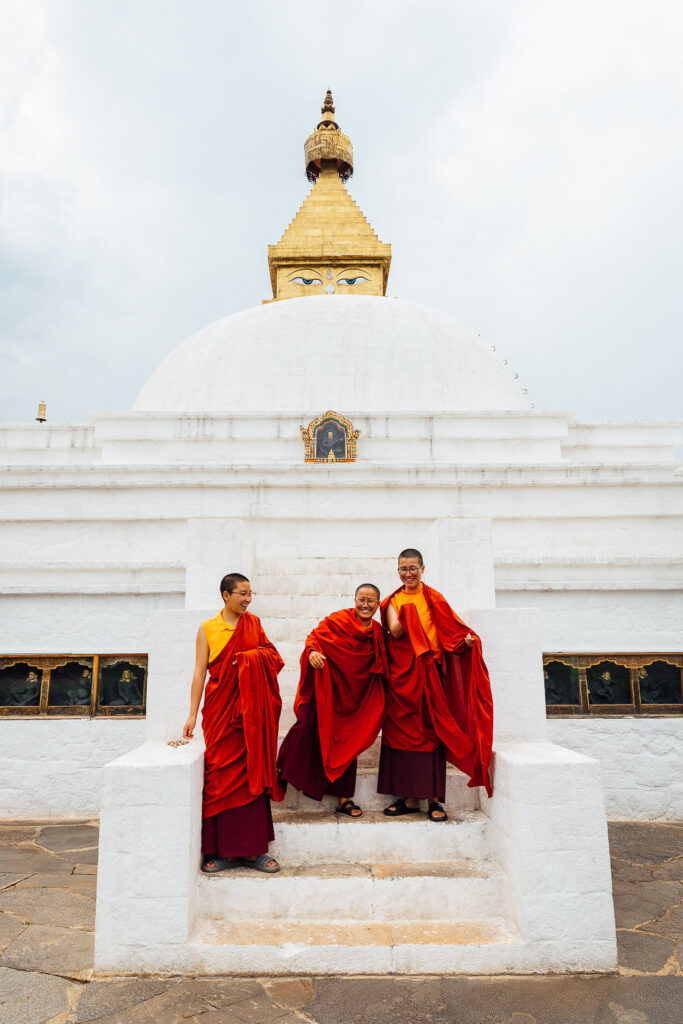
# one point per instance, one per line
(329, 247)
(328, 143)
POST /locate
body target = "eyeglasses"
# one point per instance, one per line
(409, 570)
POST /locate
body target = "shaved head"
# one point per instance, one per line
(229, 582)
(411, 553)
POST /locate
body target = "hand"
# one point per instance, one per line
(469, 640)
(316, 659)
(188, 728)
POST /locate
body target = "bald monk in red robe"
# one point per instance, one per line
(439, 703)
(240, 720)
(339, 703)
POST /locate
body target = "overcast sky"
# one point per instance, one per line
(524, 159)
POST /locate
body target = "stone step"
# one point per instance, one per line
(302, 606)
(288, 649)
(460, 799)
(315, 584)
(284, 567)
(440, 891)
(288, 680)
(369, 759)
(291, 631)
(312, 838)
(287, 716)
(268, 946)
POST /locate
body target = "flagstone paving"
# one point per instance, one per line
(47, 904)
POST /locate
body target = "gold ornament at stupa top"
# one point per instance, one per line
(329, 247)
(327, 142)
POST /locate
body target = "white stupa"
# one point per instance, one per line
(306, 442)
(352, 352)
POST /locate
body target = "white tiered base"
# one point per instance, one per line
(519, 883)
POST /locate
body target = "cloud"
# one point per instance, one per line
(522, 159)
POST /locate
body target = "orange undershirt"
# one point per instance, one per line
(422, 608)
(218, 633)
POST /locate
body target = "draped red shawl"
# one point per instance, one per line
(240, 718)
(422, 709)
(348, 691)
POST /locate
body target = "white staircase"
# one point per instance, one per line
(367, 895)
(516, 883)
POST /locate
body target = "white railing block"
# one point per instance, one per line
(548, 832)
(173, 635)
(214, 547)
(511, 643)
(150, 829)
(459, 562)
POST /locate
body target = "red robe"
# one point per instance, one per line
(348, 691)
(240, 719)
(424, 711)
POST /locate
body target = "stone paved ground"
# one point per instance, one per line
(47, 911)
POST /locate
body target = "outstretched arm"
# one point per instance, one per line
(393, 622)
(198, 679)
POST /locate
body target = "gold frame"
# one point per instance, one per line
(633, 662)
(308, 437)
(45, 663)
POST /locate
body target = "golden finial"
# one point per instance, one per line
(327, 110)
(42, 410)
(328, 146)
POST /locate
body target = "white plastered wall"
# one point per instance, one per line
(52, 767)
(641, 762)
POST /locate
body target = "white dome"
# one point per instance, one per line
(351, 353)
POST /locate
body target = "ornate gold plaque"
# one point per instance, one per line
(330, 437)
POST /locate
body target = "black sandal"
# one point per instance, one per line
(400, 807)
(347, 808)
(220, 864)
(436, 806)
(262, 863)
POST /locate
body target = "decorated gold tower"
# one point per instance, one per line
(329, 247)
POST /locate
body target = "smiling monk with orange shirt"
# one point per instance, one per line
(439, 703)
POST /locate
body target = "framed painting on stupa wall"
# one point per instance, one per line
(330, 437)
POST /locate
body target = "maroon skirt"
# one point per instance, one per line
(239, 831)
(416, 774)
(300, 761)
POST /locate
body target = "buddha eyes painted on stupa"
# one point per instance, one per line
(358, 279)
(305, 280)
(346, 277)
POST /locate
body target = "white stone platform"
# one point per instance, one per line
(516, 883)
